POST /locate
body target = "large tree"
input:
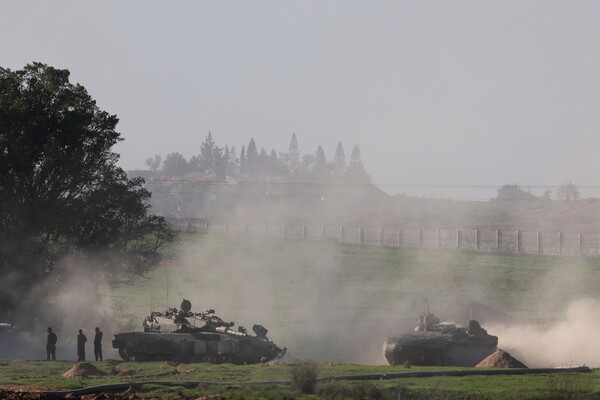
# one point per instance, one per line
(513, 193)
(567, 192)
(355, 170)
(252, 157)
(320, 165)
(339, 161)
(175, 165)
(65, 206)
(207, 155)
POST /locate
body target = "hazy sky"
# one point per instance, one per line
(433, 92)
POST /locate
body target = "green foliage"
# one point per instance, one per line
(207, 160)
(513, 192)
(339, 161)
(154, 162)
(567, 192)
(304, 377)
(366, 390)
(175, 164)
(334, 390)
(62, 195)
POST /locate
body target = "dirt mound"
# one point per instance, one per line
(83, 369)
(183, 370)
(270, 363)
(500, 359)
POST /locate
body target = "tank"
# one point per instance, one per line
(184, 336)
(440, 343)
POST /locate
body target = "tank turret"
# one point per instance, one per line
(440, 343)
(183, 335)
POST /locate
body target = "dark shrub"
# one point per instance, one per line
(304, 377)
(333, 390)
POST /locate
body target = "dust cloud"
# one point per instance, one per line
(299, 291)
(320, 308)
(564, 320)
(82, 300)
(571, 341)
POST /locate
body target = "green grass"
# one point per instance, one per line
(511, 282)
(47, 375)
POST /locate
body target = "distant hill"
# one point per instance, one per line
(334, 200)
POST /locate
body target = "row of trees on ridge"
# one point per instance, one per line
(221, 161)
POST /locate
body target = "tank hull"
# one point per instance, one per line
(430, 348)
(194, 347)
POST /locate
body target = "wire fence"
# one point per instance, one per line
(485, 240)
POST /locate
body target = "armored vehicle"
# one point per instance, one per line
(440, 343)
(185, 336)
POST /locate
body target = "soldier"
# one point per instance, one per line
(81, 339)
(98, 344)
(51, 345)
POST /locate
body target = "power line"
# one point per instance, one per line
(347, 184)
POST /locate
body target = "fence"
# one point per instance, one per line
(518, 241)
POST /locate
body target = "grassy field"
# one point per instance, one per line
(330, 302)
(199, 266)
(47, 376)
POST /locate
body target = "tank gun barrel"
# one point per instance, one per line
(229, 331)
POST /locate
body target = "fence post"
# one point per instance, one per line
(399, 238)
(540, 250)
(560, 243)
(342, 234)
(458, 239)
(477, 239)
(361, 235)
(381, 237)
(580, 244)
(439, 238)
(518, 241)
(498, 240)
(420, 238)
(304, 233)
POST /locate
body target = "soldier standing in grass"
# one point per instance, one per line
(51, 345)
(98, 344)
(81, 339)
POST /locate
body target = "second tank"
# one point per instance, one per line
(440, 343)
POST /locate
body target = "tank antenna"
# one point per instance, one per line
(427, 300)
